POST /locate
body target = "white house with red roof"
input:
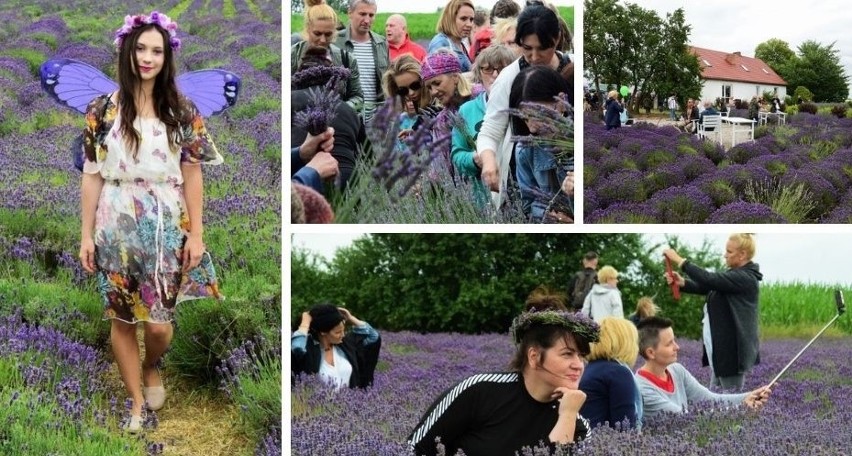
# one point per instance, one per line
(732, 75)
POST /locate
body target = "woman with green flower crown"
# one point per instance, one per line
(141, 203)
(536, 403)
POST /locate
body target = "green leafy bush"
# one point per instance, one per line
(809, 108)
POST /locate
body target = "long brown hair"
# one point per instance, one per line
(167, 101)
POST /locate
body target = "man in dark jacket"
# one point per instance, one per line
(731, 344)
(581, 282)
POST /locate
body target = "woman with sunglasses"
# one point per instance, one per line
(538, 35)
(402, 83)
(487, 66)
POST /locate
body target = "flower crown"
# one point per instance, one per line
(577, 323)
(132, 22)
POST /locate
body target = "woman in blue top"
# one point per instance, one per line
(319, 346)
(540, 175)
(611, 392)
(487, 66)
(453, 28)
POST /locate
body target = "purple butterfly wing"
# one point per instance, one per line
(212, 91)
(74, 83)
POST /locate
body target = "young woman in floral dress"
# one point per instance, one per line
(141, 208)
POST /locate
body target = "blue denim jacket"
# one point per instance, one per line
(540, 179)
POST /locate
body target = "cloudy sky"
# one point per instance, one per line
(813, 257)
(735, 25)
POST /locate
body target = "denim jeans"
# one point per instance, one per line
(540, 180)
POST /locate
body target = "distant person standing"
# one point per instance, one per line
(454, 29)
(399, 43)
(583, 281)
(369, 49)
(612, 111)
(731, 317)
(604, 300)
(672, 103)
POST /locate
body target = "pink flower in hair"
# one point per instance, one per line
(163, 21)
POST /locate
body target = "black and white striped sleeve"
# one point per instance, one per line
(451, 415)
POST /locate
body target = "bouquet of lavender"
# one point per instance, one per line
(555, 127)
(323, 96)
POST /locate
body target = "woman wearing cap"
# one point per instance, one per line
(319, 346)
(538, 401)
(442, 76)
(538, 35)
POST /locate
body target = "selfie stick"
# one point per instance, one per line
(841, 307)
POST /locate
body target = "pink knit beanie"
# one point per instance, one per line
(438, 64)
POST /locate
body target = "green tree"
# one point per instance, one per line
(629, 45)
(803, 93)
(777, 54)
(818, 68)
(478, 282)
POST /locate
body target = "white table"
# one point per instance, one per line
(763, 117)
(740, 125)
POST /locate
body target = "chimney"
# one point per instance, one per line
(733, 58)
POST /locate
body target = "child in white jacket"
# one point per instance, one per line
(604, 299)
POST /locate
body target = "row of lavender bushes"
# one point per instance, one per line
(808, 413)
(42, 287)
(800, 172)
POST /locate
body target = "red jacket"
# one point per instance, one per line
(407, 47)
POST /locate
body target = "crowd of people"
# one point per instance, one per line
(477, 66)
(573, 368)
(687, 118)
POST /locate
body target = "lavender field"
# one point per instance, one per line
(800, 172)
(808, 414)
(57, 380)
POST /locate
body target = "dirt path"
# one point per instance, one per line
(194, 422)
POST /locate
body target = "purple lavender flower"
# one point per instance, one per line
(824, 195)
(319, 112)
(630, 213)
(623, 186)
(743, 212)
(685, 204)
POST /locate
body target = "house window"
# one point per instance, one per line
(726, 93)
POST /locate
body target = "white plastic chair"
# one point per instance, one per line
(711, 125)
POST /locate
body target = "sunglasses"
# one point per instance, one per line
(414, 87)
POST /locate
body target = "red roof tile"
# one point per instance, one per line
(735, 67)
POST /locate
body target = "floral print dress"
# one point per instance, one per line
(141, 223)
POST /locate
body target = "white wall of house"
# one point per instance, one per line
(713, 88)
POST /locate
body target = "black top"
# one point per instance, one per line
(363, 358)
(488, 415)
(732, 305)
(348, 134)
